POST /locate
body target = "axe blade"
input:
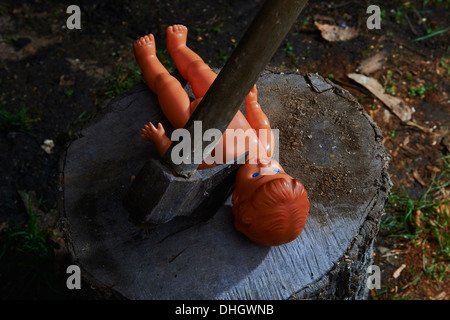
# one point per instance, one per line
(156, 195)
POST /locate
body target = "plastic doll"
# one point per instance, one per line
(270, 207)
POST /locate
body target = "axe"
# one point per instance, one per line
(163, 190)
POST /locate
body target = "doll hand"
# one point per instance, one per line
(152, 134)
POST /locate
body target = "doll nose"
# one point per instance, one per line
(267, 171)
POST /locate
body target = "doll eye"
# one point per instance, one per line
(256, 174)
(277, 171)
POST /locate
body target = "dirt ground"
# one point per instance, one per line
(60, 78)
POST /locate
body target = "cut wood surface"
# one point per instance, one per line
(326, 141)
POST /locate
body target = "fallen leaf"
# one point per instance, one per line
(418, 178)
(406, 141)
(441, 296)
(334, 33)
(372, 63)
(65, 80)
(3, 226)
(396, 105)
(399, 271)
(433, 168)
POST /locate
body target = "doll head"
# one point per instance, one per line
(270, 207)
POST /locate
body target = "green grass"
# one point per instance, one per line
(420, 90)
(15, 121)
(222, 57)
(427, 214)
(424, 221)
(444, 64)
(432, 33)
(436, 269)
(27, 255)
(215, 28)
(123, 79)
(164, 58)
(390, 87)
(29, 240)
(76, 124)
(289, 52)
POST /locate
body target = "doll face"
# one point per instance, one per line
(251, 176)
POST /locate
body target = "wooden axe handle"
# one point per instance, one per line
(240, 73)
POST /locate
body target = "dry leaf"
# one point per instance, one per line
(441, 296)
(65, 80)
(396, 105)
(417, 216)
(3, 226)
(433, 168)
(418, 178)
(399, 271)
(334, 33)
(373, 63)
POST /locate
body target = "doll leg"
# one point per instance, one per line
(189, 64)
(173, 100)
(259, 121)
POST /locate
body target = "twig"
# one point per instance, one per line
(349, 85)
(410, 25)
(396, 40)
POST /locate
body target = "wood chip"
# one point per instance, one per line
(399, 271)
(396, 105)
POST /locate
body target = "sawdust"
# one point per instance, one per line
(331, 176)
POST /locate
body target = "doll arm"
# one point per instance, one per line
(157, 136)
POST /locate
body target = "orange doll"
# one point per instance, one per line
(270, 207)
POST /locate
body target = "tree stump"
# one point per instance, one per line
(326, 141)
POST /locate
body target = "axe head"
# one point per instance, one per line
(157, 195)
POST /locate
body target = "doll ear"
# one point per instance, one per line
(246, 218)
(235, 198)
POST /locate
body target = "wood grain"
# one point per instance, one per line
(191, 259)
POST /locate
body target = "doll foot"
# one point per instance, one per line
(176, 37)
(252, 96)
(145, 46)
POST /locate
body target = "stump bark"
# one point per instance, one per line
(326, 141)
